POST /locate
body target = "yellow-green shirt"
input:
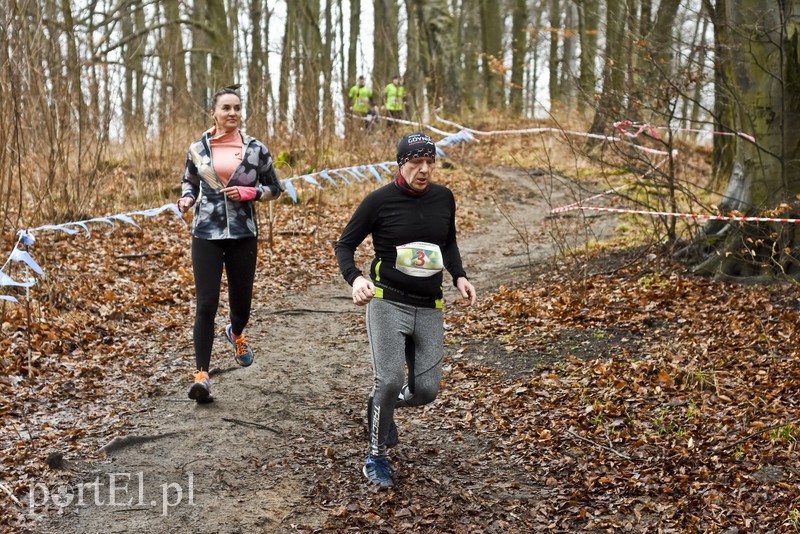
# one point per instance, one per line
(394, 97)
(360, 97)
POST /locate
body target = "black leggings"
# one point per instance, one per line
(208, 257)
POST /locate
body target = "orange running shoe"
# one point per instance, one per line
(243, 355)
(201, 389)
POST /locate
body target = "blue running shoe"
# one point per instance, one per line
(379, 472)
(243, 356)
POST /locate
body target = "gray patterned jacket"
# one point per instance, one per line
(216, 216)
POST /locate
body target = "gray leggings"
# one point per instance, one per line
(401, 334)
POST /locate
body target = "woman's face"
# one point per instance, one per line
(227, 113)
(417, 173)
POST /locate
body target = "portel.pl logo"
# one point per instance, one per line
(113, 489)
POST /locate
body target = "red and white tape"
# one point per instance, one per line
(672, 214)
(622, 125)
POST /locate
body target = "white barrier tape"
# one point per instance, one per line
(27, 238)
(621, 125)
(559, 131)
(682, 215)
(358, 172)
(403, 121)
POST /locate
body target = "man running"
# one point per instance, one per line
(412, 222)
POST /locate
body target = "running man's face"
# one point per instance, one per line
(417, 173)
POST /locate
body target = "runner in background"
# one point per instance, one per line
(395, 98)
(361, 102)
(227, 171)
(412, 222)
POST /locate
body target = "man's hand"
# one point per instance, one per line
(467, 290)
(363, 291)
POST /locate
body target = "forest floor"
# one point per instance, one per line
(600, 388)
(253, 460)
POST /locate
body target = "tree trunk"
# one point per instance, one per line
(519, 49)
(223, 63)
(554, 62)
(176, 59)
(286, 65)
(588, 19)
(327, 71)
(385, 47)
(126, 29)
(567, 82)
(492, 40)
(468, 42)
(724, 111)
(765, 85)
(631, 56)
(445, 82)
(419, 61)
(311, 49)
(257, 73)
(73, 66)
(199, 59)
(611, 99)
(660, 46)
(352, 61)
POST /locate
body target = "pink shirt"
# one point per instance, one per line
(226, 154)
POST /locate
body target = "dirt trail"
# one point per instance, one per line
(231, 466)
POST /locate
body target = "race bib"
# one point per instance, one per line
(419, 259)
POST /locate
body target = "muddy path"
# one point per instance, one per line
(248, 461)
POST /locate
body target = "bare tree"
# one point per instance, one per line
(491, 36)
(385, 44)
(765, 47)
(201, 45)
(612, 98)
(554, 64)
(588, 17)
(518, 51)
(223, 62)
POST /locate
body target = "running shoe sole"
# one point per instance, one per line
(198, 392)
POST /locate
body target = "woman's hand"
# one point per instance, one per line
(363, 291)
(240, 193)
(185, 204)
(467, 290)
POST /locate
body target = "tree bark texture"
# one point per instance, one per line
(518, 52)
(765, 181)
(492, 39)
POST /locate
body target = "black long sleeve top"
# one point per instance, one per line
(395, 218)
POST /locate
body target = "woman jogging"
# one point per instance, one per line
(227, 171)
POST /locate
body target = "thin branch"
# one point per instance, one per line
(759, 432)
(250, 424)
(609, 449)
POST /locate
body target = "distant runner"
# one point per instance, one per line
(395, 96)
(361, 102)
